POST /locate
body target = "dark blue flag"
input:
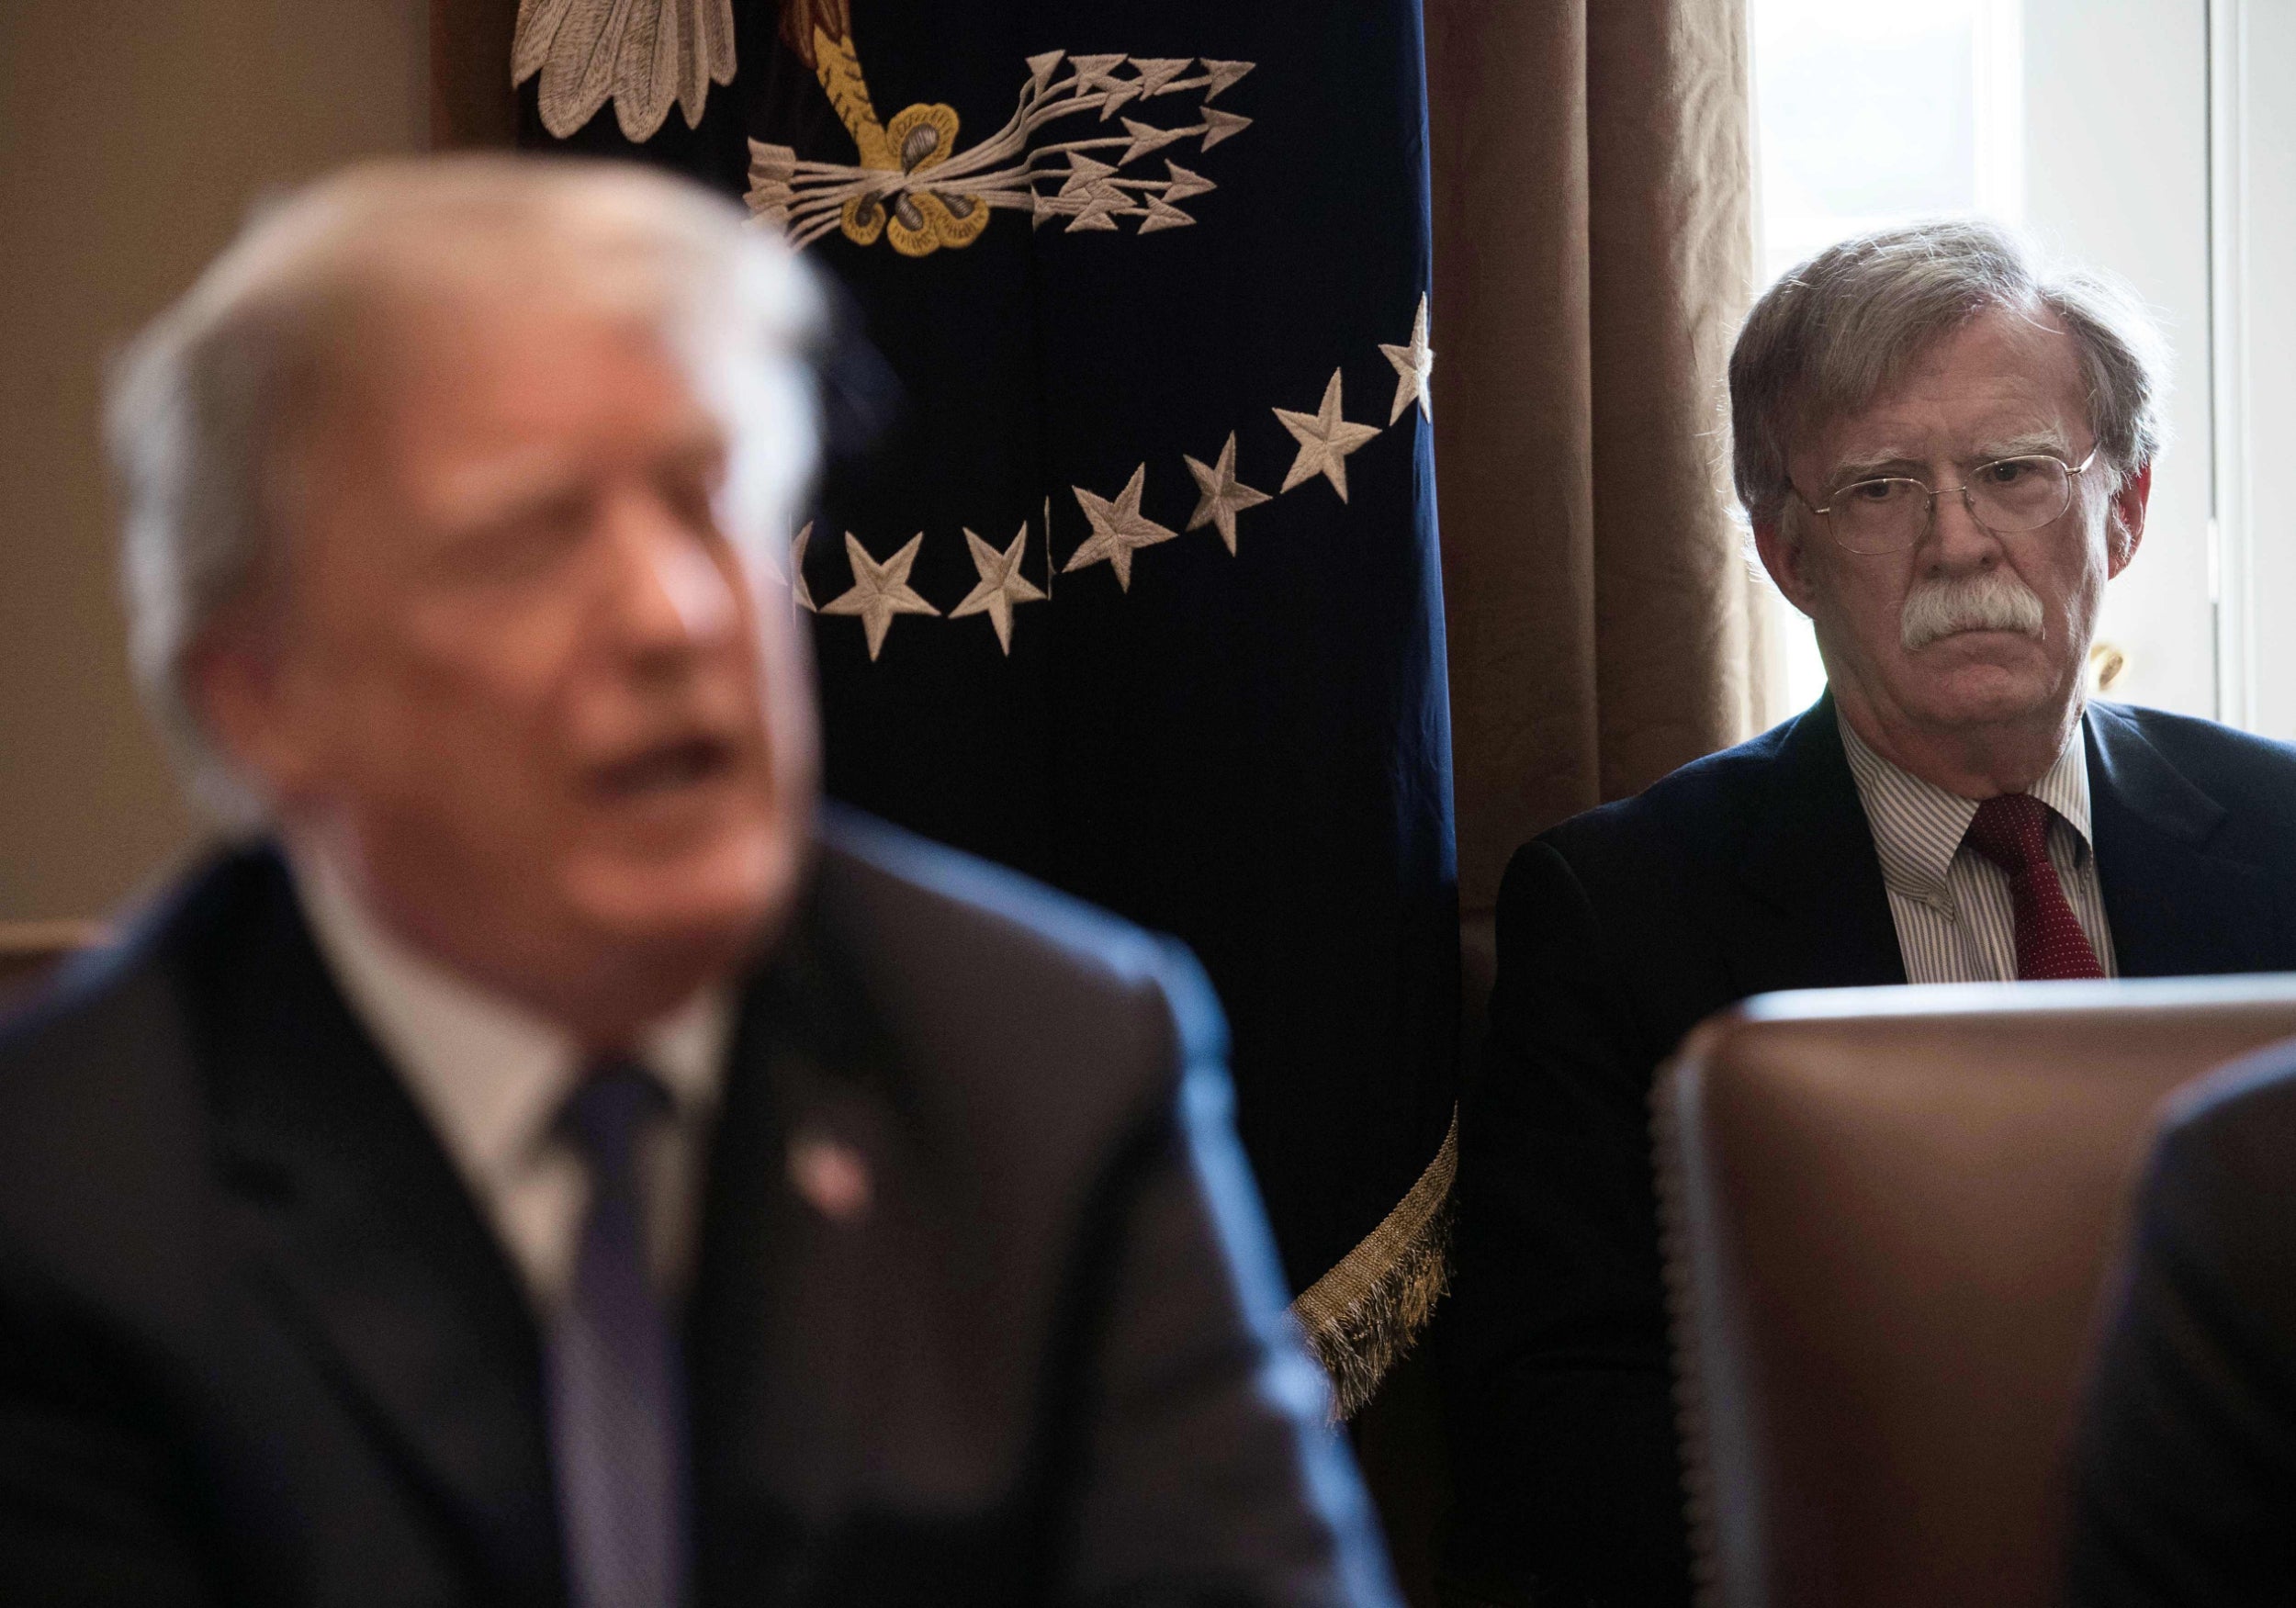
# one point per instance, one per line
(1138, 591)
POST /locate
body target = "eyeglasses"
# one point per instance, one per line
(1888, 513)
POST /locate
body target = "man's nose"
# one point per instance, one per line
(669, 593)
(1956, 541)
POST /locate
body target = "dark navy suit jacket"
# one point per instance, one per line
(1749, 871)
(2185, 1487)
(258, 1346)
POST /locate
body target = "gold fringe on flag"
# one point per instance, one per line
(1363, 1317)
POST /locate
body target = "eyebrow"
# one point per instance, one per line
(507, 486)
(516, 484)
(2025, 443)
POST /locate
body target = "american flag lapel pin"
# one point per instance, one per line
(830, 1176)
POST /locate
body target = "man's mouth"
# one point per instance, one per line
(665, 768)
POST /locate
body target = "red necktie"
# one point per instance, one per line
(2012, 832)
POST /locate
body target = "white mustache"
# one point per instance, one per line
(1993, 601)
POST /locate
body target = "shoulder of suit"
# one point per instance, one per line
(2256, 1085)
(1692, 812)
(104, 1122)
(137, 973)
(2236, 1128)
(2216, 758)
(952, 926)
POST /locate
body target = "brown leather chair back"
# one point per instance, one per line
(29, 950)
(1889, 1214)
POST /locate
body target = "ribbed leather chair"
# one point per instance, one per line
(1889, 1215)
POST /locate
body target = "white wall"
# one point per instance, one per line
(2117, 175)
(2256, 237)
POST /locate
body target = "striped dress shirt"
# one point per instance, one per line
(1951, 906)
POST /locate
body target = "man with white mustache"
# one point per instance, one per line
(1945, 451)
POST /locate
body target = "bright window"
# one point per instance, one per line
(2088, 126)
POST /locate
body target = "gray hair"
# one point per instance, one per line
(1834, 333)
(210, 405)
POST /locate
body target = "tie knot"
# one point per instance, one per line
(605, 1116)
(2012, 832)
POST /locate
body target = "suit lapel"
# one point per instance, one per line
(2174, 908)
(746, 1241)
(763, 1455)
(364, 1236)
(1808, 858)
(783, 1326)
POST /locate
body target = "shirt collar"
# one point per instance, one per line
(491, 1073)
(1918, 826)
(2064, 787)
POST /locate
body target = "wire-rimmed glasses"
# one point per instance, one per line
(1888, 513)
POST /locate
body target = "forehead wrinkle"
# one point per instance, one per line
(517, 458)
(1985, 450)
(2011, 428)
(2048, 439)
(492, 483)
(2037, 343)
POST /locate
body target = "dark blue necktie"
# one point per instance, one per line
(617, 1397)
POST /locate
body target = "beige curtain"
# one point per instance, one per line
(1593, 258)
(471, 103)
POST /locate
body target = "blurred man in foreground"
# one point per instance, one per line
(542, 1166)
(1946, 453)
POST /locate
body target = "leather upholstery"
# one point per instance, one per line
(1887, 1216)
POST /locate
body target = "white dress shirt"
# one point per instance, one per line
(493, 1077)
(1956, 919)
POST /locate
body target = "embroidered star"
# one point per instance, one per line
(1220, 495)
(1001, 585)
(1119, 529)
(1413, 363)
(880, 591)
(1325, 439)
(800, 593)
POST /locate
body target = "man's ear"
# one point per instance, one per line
(240, 690)
(1787, 557)
(2125, 520)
